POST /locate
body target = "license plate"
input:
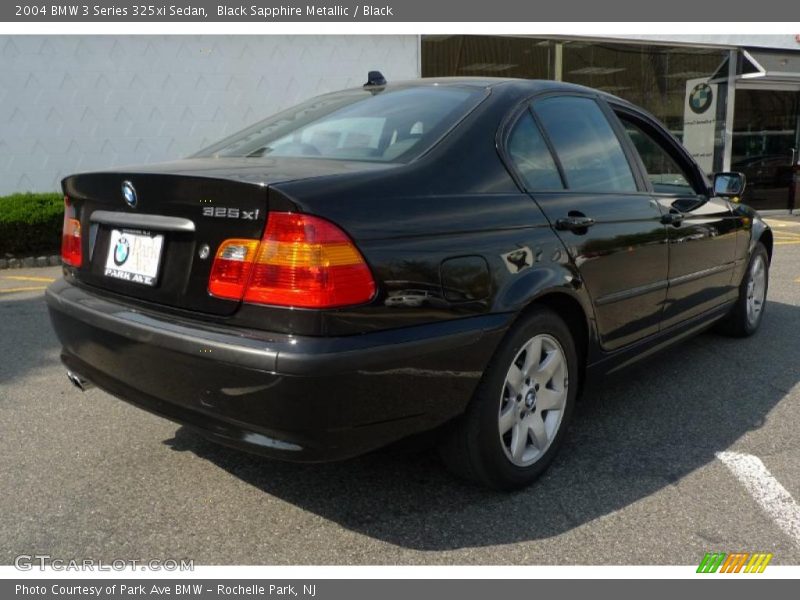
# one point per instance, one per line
(134, 256)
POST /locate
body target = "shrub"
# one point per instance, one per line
(30, 224)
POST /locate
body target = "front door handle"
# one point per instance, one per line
(672, 218)
(574, 223)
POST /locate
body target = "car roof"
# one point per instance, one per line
(531, 86)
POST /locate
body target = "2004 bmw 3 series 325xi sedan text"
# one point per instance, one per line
(457, 256)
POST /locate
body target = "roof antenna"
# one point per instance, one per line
(375, 79)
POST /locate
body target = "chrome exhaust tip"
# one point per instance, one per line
(79, 382)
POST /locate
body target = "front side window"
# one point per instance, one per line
(587, 147)
(392, 125)
(531, 156)
(666, 175)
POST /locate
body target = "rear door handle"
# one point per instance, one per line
(574, 223)
(672, 218)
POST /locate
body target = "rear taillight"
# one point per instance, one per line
(308, 262)
(71, 236)
(231, 268)
(302, 261)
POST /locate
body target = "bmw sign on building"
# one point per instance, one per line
(700, 121)
(701, 98)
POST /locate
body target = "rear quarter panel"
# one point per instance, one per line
(451, 207)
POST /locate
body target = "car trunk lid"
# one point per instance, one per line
(160, 247)
(181, 213)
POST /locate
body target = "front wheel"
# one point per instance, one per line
(746, 315)
(516, 422)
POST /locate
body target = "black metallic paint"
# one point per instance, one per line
(303, 399)
(437, 233)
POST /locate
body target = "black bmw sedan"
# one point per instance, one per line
(461, 256)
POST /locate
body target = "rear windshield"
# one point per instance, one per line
(385, 126)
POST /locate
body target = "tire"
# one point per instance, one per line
(517, 419)
(746, 315)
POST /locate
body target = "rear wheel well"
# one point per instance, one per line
(571, 311)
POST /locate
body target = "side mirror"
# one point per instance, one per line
(729, 185)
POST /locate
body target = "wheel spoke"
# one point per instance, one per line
(759, 291)
(519, 439)
(547, 399)
(535, 425)
(514, 380)
(533, 353)
(508, 418)
(549, 366)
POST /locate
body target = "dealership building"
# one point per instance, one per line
(75, 103)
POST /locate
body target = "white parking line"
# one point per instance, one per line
(774, 499)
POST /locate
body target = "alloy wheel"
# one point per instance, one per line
(756, 290)
(533, 400)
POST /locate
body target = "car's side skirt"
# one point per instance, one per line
(606, 363)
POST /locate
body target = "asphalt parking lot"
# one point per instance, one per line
(84, 475)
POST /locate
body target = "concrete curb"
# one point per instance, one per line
(28, 262)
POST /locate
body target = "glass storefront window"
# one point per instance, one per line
(670, 82)
(653, 77)
(486, 56)
(685, 87)
(766, 138)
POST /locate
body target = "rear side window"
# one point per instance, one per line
(590, 153)
(531, 156)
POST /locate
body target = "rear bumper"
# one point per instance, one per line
(294, 398)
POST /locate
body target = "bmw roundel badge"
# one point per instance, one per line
(121, 251)
(129, 193)
(700, 98)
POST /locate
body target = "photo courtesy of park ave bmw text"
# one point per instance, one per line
(322, 300)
